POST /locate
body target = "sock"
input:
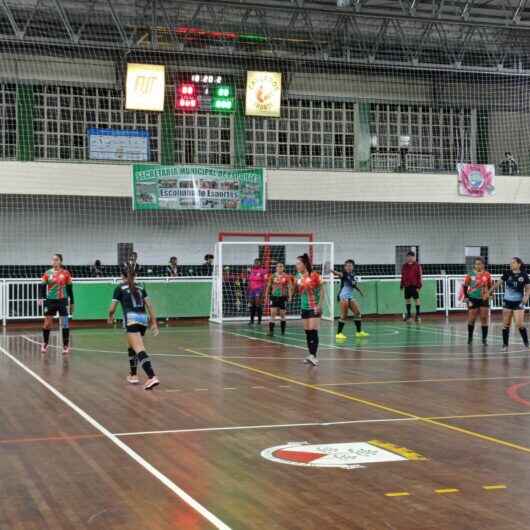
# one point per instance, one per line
(66, 336)
(470, 331)
(132, 362)
(485, 330)
(340, 327)
(313, 342)
(260, 313)
(524, 335)
(283, 324)
(252, 313)
(308, 339)
(358, 324)
(143, 359)
(505, 336)
(271, 327)
(46, 335)
(418, 310)
(409, 314)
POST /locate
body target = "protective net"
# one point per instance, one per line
(377, 107)
(244, 272)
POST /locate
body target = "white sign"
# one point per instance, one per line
(114, 144)
(264, 94)
(146, 87)
(341, 455)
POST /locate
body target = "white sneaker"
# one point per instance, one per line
(311, 359)
(151, 383)
(133, 379)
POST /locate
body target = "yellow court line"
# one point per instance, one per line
(443, 380)
(471, 416)
(366, 402)
(495, 487)
(447, 490)
(398, 494)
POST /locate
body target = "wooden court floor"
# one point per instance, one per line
(406, 430)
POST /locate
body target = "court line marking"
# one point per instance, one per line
(442, 491)
(513, 393)
(322, 424)
(370, 403)
(179, 492)
(495, 487)
(441, 380)
(412, 356)
(398, 494)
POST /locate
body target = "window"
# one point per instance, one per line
(8, 122)
(63, 114)
(309, 134)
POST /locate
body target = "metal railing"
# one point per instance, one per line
(19, 297)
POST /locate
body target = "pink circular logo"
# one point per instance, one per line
(476, 179)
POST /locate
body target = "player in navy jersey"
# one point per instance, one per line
(348, 284)
(138, 313)
(516, 293)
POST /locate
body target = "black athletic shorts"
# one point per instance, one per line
(52, 307)
(513, 306)
(136, 328)
(411, 292)
(279, 302)
(477, 303)
(309, 313)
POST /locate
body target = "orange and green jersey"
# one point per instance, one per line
(56, 283)
(309, 286)
(478, 284)
(280, 284)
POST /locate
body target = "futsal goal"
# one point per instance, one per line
(235, 256)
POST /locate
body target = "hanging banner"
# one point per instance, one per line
(116, 144)
(145, 87)
(264, 94)
(197, 188)
(476, 180)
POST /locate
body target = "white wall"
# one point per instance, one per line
(85, 228)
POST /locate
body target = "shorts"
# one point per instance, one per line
(255, 294)
(513, 306)
(136, 328)
(345, 294)
(52, 307)
(477, 303)
(411, 292)
(279, 302)
(309, 313)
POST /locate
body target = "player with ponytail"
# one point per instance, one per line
(309, 285)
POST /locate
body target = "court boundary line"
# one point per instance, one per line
(369, 403)
(179, 492)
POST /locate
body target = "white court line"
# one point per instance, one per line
(272, 426)
(179, 492)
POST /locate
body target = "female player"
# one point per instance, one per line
(477, 288)
(516, 293)
(138, 312)
(257, 280)
(279, 290)
(55, 293)
(312, 295)
(348, 283)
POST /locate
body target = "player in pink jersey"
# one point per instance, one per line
(55, 293)
(257, 281)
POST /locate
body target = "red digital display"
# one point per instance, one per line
(187, 98)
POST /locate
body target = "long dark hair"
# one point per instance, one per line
(522, 266)
(130, 274)
(304, 258)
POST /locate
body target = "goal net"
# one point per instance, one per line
(235, 259)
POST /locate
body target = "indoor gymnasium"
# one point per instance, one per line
(263, 264)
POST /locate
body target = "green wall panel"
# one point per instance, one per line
(391, 302)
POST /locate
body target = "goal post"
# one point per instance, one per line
(233, 261)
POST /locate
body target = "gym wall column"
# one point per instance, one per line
(363, 139)
(25, 134)
(240, 136)
(167, 126)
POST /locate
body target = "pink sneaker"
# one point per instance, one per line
(66, 350)
(133, 379)
(151, 383)
(44, 348)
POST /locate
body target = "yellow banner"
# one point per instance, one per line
(145, 87)
(264, 94)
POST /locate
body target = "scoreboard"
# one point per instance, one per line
(204, 92)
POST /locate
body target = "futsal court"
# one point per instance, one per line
(81, 450)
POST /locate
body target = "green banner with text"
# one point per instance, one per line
(197, 188)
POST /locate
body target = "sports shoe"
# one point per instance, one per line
(133, 379)
(44, 348)
(504, 349)
(362, 334)
(151, 383)
(484, 342)
(340, 336)
(418, 319)
(311, 359)
(66, 350)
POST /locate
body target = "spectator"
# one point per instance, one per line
(509, 166)
(411, 283)
(96, 270)
(207, 266)
(172, 268)
(133, 264)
